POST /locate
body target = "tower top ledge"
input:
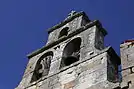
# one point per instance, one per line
(70, 17)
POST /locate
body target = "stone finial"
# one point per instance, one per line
(71, 14)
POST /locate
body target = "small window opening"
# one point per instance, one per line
(63, 32)
(91, 53)
(71, 52)
(42, 67)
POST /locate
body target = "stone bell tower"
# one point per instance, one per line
(74, 57)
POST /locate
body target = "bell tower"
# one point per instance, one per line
(74, 57)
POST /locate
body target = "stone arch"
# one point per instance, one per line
(71, 52)
(42, 66)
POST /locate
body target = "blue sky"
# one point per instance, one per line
(23, 25)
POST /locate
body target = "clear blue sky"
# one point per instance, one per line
(23, 25)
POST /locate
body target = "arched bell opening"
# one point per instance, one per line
(63, 32)
(71, 52)
(42, 66)
(69, 60)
